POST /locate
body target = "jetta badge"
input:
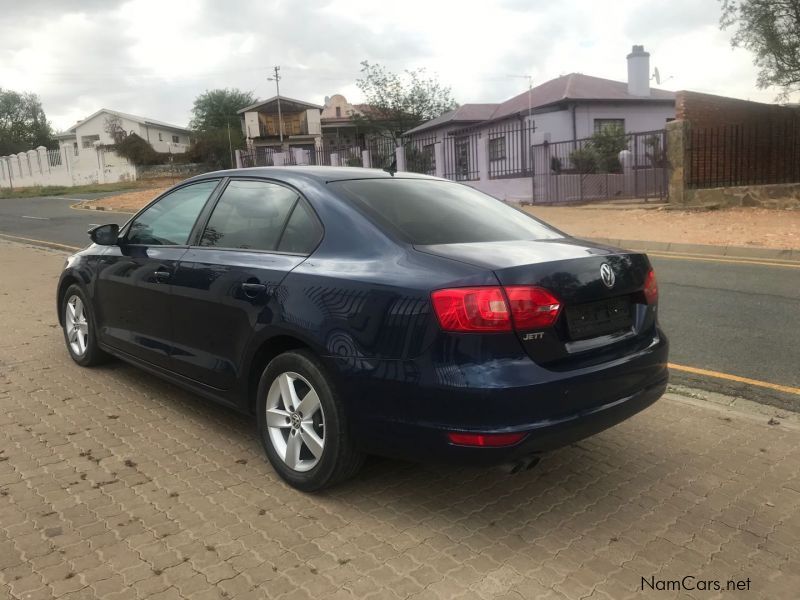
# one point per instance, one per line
(607, 275)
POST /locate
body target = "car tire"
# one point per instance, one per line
(80, 329)
(302, 425)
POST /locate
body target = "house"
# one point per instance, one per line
(338, 126)
(570, 107)
(84, 136)
(298, 126)
(529, 145)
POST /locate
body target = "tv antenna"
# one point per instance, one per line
(657, 76)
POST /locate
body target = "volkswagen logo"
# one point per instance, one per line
(607, 275)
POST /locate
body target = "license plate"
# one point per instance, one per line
(599, 318)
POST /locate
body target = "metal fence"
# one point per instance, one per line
(324, 153)
(460, 153)
(381, 151)
(757, 153)
(421, 155)
(509, 150)
(54, 158)
(632, 165)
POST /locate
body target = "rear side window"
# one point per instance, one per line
(302, 231)
(250, 215)
(425, 212)
(169, 221)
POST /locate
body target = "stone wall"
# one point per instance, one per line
(779, 195)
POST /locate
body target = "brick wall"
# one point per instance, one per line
(738, 142)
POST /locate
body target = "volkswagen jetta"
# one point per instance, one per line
(357, 311)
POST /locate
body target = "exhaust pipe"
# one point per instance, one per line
(522, 464)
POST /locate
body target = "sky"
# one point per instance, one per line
(153, 57)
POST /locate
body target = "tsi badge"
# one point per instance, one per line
(607, 275)
(536, 335)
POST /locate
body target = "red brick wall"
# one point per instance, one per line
(738, 142)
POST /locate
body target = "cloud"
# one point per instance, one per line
(153, 57)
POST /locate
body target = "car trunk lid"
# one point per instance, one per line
(598, 320)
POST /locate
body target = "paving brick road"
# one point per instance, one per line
(115, 485)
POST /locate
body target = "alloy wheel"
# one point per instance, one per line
(76, 325)
(295, 421)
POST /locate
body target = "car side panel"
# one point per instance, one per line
(214, 318)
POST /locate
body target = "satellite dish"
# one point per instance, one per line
(656, 76)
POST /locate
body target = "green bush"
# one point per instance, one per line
(139, 151)
(584, 160)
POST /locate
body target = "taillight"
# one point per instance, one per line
(472, 309)
(486, 308)
(532, 307)
(651, 288)
(485, 439)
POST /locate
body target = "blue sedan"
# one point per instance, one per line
(358, 311)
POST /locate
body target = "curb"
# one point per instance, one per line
(41, 243)
(80, 205)
(704, 249)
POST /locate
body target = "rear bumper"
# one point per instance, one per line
(411, 421)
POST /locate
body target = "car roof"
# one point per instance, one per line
(314, 173)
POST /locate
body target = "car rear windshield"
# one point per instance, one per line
(426, 212)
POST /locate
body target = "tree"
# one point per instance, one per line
(607, 143)
(770, 29)
(217, 108)
(399, 102)
(23, 124)
(113, 127)
(217, 127)
(211, 147)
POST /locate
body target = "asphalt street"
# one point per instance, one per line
(52, 220)
(735, 318)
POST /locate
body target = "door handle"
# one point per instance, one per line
(251, 290)
(162, 276)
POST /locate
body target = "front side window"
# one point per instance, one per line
(175, 139)
(426, 212)
(169, 221)
(250, 215)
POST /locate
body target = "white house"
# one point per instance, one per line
(571, 107)
(500, 147)
(84, 155)
(82, 138)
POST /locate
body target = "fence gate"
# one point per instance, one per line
(633, 166)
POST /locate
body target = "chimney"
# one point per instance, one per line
(639, 72)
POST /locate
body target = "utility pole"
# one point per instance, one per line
(230, 145)
(277, 79)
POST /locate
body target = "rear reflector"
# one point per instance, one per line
(486, 309)
(651, 288)
(485, 440)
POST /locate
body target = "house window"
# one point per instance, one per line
(160, 137)
(75, 148)
(600, 124)
(497, 148)
(87, 141)
(176, 139)
(338, 111)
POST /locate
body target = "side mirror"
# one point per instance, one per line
(105, 235)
